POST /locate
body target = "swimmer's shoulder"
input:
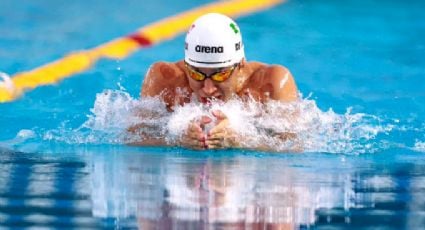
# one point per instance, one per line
(164, 76)
(267, 73)
(168, 71)
(275, 79)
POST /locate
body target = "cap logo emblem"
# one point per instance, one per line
(234, 28)
(209, 49)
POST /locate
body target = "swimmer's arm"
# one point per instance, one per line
(285, 90)
(146, 132)
(252, 143)
(281, 141)
(138, 134)
(137, 137)
(271, 142)
(192, 138)
(154, 85)
(291, 140)
(224, 136)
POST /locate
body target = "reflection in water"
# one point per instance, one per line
(236, 192)
(44, 191)
(417, 204)
(165, 188)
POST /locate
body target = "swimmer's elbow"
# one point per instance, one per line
(291, 141)
(148, 142)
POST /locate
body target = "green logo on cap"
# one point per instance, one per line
(234, 28)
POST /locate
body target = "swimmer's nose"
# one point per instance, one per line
(209, 87)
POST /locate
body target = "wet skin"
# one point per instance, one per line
(172, 82)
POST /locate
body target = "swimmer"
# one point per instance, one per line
(215, 68)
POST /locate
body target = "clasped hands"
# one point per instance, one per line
(220, 136)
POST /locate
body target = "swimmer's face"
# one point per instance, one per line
(209, 83)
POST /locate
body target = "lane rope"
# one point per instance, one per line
(79, 61)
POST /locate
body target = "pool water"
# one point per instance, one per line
(358, 64)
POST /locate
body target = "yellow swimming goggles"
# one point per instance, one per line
(221, 75)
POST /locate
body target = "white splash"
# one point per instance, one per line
(26, 134)
(419, 146)
(315, 130)
(111, 111)
(115, 111)
(182, 116)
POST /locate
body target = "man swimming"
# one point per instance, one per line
(214, 68)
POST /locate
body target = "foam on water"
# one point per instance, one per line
(315, 130)
(419, 146)
(112, 114)
(310, 129)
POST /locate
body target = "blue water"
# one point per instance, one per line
(358, 64)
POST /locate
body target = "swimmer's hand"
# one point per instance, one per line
(194, 137)
(221, 136)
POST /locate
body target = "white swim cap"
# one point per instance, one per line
(213, 41)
